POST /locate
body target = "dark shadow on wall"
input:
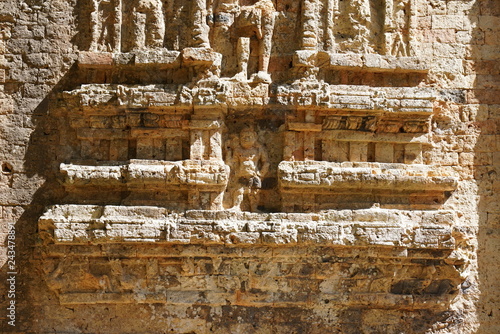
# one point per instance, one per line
(31, 297)
(42, 159)
(486, 93)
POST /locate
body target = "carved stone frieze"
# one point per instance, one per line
(174, 122)
(76, 224)
(225, 34)
(249, 166)
(315, 185)
(373, 123)
(405, 100)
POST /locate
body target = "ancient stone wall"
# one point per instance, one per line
(270, 166)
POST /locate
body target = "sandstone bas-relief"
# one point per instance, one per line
(146, 23)
(383, 135)
(222, 157)
(324, 29)
(105, 23)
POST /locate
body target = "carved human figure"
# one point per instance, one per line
(148, 26)
(105, 22)
(250, 163)
(360, 18)
(398, 26)
(248, 21)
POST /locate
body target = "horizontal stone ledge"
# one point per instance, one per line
(305, 127)
(357, 98)
(323, 175)
(132, 133)
(203, 124)
(378, 63)
(391, 301)
(164, 58)
(201, 56)
(322, 132)
(138, 173)
(156, 58)
(80, 224)
(223, 93)
(176, 252)
(360, 62)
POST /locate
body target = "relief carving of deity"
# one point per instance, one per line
(397, 28)
(234, 21)
(249, 162)
(360, 18)
(105, 22)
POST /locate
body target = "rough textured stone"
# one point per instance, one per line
(249, 166)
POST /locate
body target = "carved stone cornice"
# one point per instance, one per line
(80, 224)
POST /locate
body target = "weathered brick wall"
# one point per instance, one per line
(263, 279)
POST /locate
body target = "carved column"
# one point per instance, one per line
(388, 26)
(106, 22)
(332, 12)
(243, 54)
(118, 25)
(206, 145)
(412, 28)
(206, 142)
(300, 140)
(200, 30)
(310, 24)
(147, 28)
(197, 148)
(267, 24)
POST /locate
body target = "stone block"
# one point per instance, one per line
(95, 59)
(201, 56)
(447, 22)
